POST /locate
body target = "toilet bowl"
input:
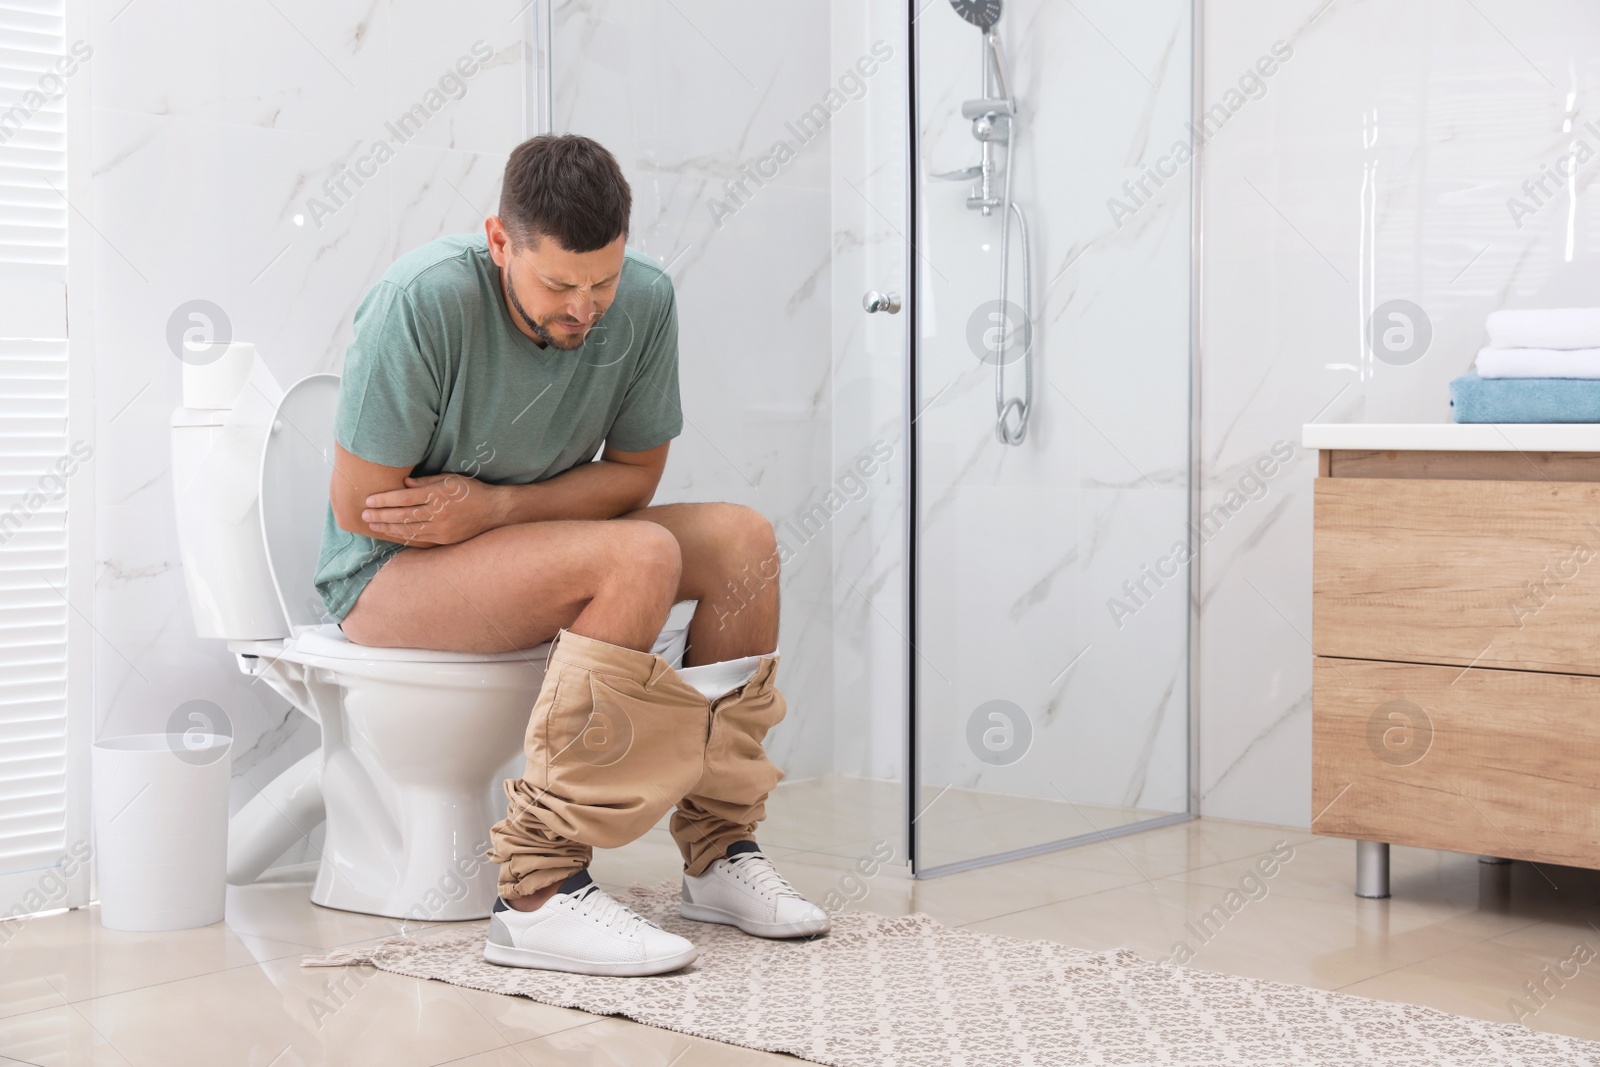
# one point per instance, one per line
(415, 742)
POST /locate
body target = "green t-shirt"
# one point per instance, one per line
(438, 378)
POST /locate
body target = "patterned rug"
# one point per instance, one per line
(911, 992)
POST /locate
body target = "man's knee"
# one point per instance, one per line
(745, 535)
(645, 550)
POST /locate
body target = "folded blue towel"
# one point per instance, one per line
(1475, 399)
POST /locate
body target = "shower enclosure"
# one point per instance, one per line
(1051, 613)
(933, 272)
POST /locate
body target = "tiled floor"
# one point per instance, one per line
(847, 817)
(1458, 935)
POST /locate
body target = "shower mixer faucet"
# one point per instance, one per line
(991, 125)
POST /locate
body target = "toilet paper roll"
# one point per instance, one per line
(213, 375)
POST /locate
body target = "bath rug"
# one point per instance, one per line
(911, 992)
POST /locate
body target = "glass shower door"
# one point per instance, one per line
(1051, 512)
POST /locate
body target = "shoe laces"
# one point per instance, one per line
(603, 908)
(758, 871)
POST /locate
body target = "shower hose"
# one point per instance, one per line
(1013, 431)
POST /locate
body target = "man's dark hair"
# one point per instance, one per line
(568, 187)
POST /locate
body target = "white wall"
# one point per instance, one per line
(1377, 166)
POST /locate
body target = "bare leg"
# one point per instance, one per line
(517, 586)
(730, 565)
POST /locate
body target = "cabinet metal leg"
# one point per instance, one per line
(1372, 869)
(1496, 860)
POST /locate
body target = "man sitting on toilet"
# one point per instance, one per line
(469, 512)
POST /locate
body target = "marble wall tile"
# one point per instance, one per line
(1106, 694)
(1378, 164)
(301, 66)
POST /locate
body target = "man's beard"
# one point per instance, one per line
(539, 331)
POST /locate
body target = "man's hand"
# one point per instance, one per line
(439, 509)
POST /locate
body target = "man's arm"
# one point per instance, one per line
(354, 484)
(448, 508)
(615, 484)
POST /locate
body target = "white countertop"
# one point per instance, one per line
(1454, 436)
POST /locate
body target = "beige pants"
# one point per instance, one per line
(616, 739)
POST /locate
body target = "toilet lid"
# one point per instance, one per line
(296, 467)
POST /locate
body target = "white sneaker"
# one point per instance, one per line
(583, 930)
(745, 890)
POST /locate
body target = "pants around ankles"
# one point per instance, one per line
(615, 740)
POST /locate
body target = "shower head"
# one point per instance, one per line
(981, 13)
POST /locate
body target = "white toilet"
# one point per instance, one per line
(414, 742)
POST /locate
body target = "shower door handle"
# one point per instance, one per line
(875, 301)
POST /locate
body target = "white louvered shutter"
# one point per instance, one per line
(34, 435)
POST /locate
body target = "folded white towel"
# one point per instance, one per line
(1539, 363)
(1545, 328)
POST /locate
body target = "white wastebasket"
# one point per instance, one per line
(161, 829)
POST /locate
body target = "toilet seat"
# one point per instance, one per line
(322, 644)
(330, 642)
